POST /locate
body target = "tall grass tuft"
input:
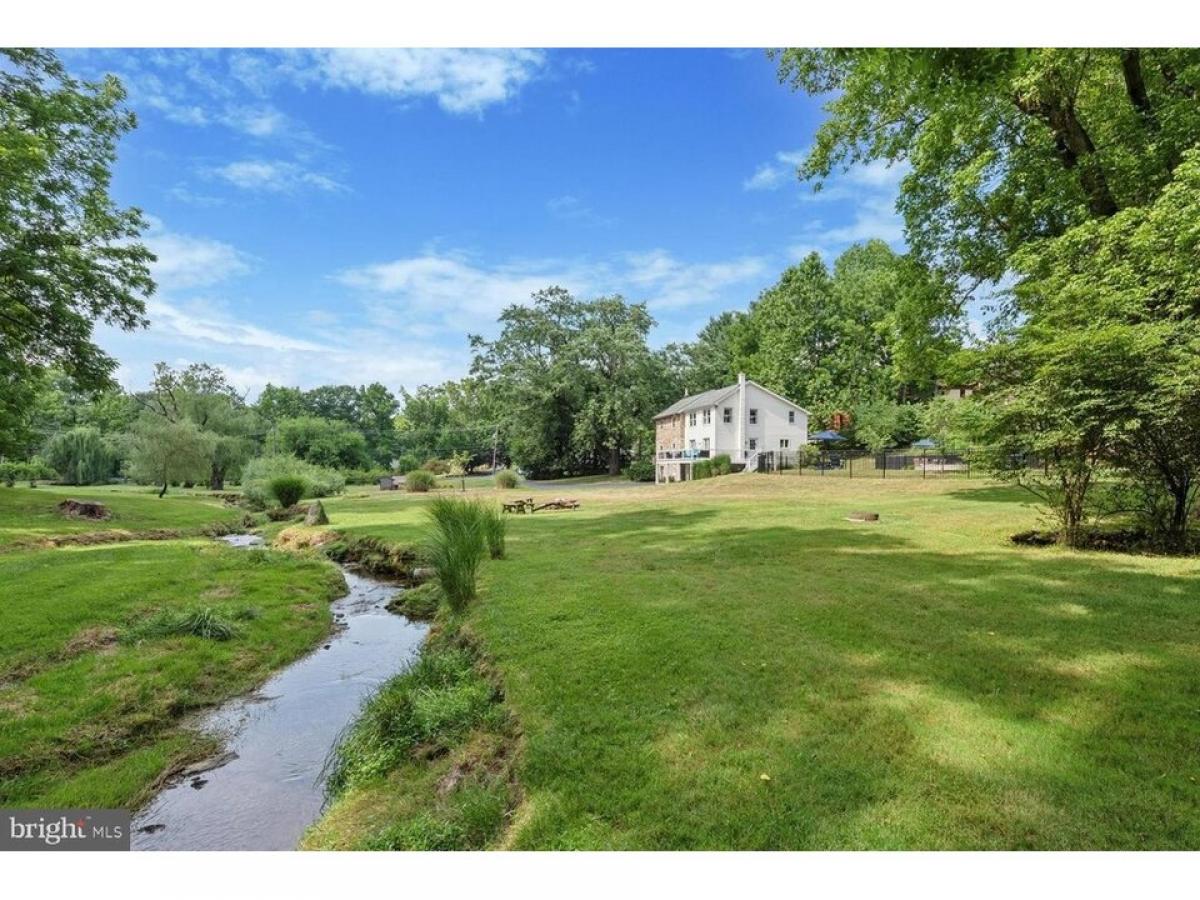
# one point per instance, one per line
(456, 547)
(204, 622)
(494, 525)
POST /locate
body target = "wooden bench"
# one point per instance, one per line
(519, 506)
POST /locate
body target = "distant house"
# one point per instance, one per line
(956, 391)
(740, 420)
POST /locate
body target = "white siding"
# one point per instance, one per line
(771, 426)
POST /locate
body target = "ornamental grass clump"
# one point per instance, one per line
(456, 547)
(494, 525)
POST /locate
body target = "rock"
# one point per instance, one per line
(84, 509)
(316, 515)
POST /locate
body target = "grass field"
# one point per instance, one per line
(733, 664)
(29, 515)
(91, 698)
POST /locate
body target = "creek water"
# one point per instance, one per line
(267, 785)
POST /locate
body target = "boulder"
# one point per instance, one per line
(316, 514)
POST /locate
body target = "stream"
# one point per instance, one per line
(266, 786)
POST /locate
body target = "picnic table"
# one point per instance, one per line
(527, 505)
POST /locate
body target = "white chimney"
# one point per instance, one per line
(741, 416)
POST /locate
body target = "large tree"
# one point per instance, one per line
(69, 256)
(574, 382)
(202, 395)
(1002, 146)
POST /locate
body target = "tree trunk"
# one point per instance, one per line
(614, 461)
(163, 491)
(216, 479)
(1135, 85)
(1075, 150)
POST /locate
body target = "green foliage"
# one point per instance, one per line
(437, 466)
(420, 603)
(507, 479)
(456, 546)
(370, 411)
(721, 465)
(881, 424)
(159, 451)
(288, 489)
(494, 526)
(702, 469)
(1003, 147)
(203, 622)
(201, 394)
(573, 382)
(261, 471)
(420, 481)
(324, 442)
(433, 705)
(69, 256)
(364, 476)
(80, 456)
(640, 469)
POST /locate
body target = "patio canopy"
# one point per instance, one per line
(925, 444)
(826, 436)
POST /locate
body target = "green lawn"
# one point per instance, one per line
(28, 515)
(91, 710)
(916, 683)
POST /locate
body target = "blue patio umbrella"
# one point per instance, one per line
(826, 436)
(925, 444)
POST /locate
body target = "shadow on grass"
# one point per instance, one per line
(897, 696)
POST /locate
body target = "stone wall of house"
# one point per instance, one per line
(668, 433)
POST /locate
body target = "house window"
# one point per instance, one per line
(708, 417)
(692, 445)
(706, 446)
(754, 417)
(753, 443)
(727, 416)
(691, 418)
(783, 443)
(791, 417)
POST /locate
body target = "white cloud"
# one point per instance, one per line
(467, 295)
(570, 208)
(874, 217)
(274, 176)
(776, 173)
(198, 322)
(462, 81)
(186, 261)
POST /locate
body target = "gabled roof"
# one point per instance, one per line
(697, 401)
(715, 396)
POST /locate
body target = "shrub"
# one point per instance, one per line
(494, 525)
(259, 473)
(288, 489)
(438, 466)
(702, 469)
(419, 481)
(641, 470)
(722, 464)
(10, 472)
(506, 479)
(456, 547)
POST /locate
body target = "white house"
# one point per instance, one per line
(740, 420)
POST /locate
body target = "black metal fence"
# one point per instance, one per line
(939, 463)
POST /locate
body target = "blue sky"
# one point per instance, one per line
(347, 216)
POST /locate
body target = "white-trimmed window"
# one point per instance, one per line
(691, 418)
(753, 443)
(692, 445)
(783, 443)
(706, 444)
(754, 417)
(727, 415)
(791, 417)
(708, 417)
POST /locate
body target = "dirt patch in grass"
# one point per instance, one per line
(84, 509)
(88, 640)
